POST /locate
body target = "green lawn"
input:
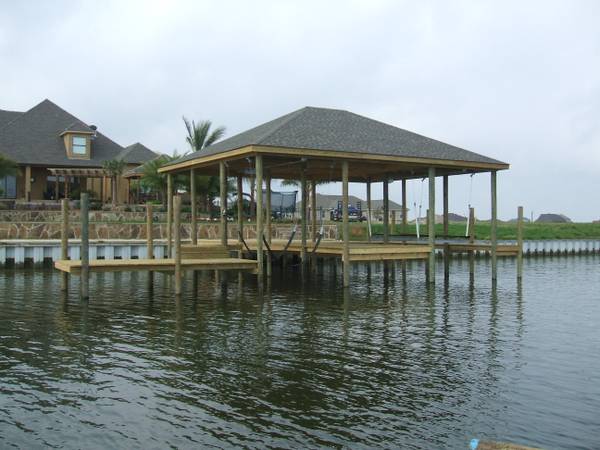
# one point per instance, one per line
(508, 230)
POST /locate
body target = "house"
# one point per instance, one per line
(59, 156)
(328, 202)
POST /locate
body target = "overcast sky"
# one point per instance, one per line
(517, 81)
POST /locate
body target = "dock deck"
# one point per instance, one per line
(159, 265)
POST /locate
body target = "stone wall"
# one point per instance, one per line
(51, 230)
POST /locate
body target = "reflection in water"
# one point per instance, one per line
(300, 361)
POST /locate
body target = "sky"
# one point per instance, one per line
(516, 81)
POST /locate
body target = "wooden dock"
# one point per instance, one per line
(158, 265)
(358, 251)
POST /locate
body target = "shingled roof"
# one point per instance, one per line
(136, 154)
(34, 137)
(343, 131)
(8, 116)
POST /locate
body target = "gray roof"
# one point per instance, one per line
(338, 130)
(330, 201)
(34, 137)
(8, 116)
(136, 154)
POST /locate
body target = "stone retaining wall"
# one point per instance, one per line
(51, 230)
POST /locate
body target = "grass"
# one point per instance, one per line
(508, 230)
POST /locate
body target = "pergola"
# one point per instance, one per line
(319, 144)
(88, 172)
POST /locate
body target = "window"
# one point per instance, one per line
(79, 145)
(8, 187)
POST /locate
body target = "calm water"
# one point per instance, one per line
(391, 364)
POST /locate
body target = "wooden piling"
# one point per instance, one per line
(268, 222)
(194, 224)
(223, 192)
(404, 208)
(240, 213)
(169, 215)
(431, 225)
(494, 226)
(369, 210)
(445, 182)
(520, 242)
(386, 212)
(313, 209)
(64, 240)
(149, 234)
(177, 243)
(85, 246)
(303, 227)
(259, 216)
(471, 232)
(345, 226)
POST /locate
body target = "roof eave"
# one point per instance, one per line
(250, 150)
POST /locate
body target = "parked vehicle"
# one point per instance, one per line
(355, 214)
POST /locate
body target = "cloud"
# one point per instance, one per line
(518, 81)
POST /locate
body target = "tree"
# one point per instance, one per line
(114, 168)
(7, 167)
(156, 181)
(199, 135)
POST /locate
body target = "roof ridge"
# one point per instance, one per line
(291, 116)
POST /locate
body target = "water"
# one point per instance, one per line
(391, 364)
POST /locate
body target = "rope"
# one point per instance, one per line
(291, 237)
(419, 211)
(243, 241)
(469, 205)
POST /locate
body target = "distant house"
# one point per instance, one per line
(552, 218)
(59, 155)
(328, 202)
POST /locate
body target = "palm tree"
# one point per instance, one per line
(199, 135)
(156, 181)
(114, 168)
(7, 167)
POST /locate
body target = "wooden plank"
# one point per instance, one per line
(168, 264)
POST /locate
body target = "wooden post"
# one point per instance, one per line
(345, 226)
(369, 210)
(85, 246)
(223, 191)
(259, 216)
(494, 226)
(177, 239)
(520, 243)
(386, 212)
(240, 212)
(194, 224)
(431, 225)
(404, 208)
(149, 237)
(64, 240)
(471, 232)
(56, 189)
(303, 227)
(268, 214)
(169, 215)
(313, 208)
(28, 183)
(445, 206)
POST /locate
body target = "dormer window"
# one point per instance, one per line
(79, 145)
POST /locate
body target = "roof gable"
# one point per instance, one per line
(136, 154)
(35, 138)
